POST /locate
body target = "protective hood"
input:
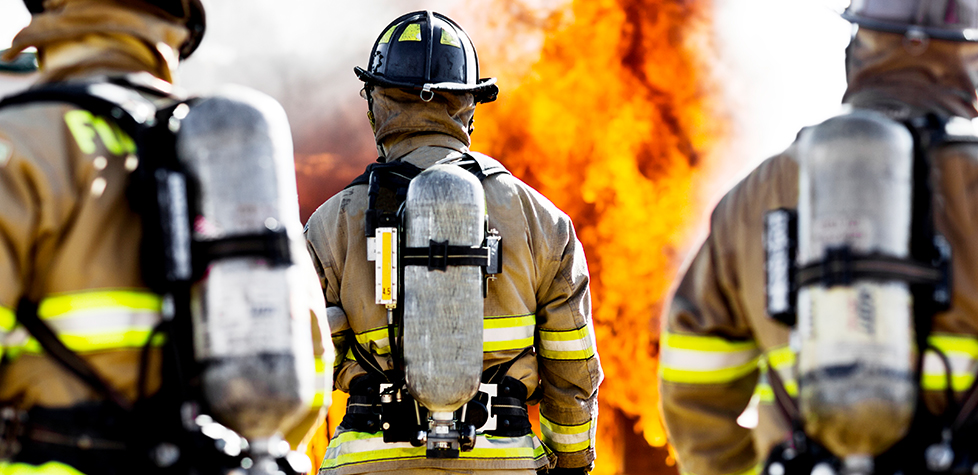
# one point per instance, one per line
(400, 115)
(888, 72)
(77, 35)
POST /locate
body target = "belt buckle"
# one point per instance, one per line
(11, 429)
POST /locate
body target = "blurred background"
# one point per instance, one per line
(633, 116)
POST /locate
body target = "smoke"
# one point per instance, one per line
(302, 53)
(782, 68)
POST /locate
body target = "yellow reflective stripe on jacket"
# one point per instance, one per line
(696, 359)
(376, 340)
(510, 332)
(101, 320)
(575, 344)
(49, 468)
(563, 438)
(498, 334)
(7, 319)
(961, 352)
(755, 470)
(783, 360)
(320, 383)
(351, 448)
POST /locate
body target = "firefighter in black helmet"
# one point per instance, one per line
(422, 85)
(91, 379)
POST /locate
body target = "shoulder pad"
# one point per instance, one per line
(488, 166)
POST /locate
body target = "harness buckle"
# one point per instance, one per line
(12, 422)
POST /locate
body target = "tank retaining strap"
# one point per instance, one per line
(841, 267)
(439, 255)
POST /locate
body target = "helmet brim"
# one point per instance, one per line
(964, 34)
(485, 90)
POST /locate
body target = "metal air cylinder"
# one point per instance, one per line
(443, 308)
(856, 356)
(251, 313)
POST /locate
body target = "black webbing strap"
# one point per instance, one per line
(439, 255)
(364, 359)
(27, 316)
(840, 267)
(271, 245)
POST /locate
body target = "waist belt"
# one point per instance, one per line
(497, 410)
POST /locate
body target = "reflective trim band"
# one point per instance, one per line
(448, 38)
(575, 344)
(411, 33)
(508, 332)
(386, 38)
(49, 468)
(755, 470)
(781, 357)
(376, 340)
(320, 383)
(961, 352)
(694, 359)
(53, 307)
(353, 448)
(563, 438)
(8, 319)
(101, 320)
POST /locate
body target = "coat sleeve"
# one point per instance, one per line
(570, 370)
(708, 369)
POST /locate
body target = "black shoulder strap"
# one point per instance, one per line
(27, 316)
(131, 111)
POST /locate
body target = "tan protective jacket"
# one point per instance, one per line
(70, 241)
(717, 341)
(541, 300)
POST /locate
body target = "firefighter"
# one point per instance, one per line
(422, 87)
(907, 62)
(89, 396)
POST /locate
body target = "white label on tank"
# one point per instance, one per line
(835, 231)
(248, 309)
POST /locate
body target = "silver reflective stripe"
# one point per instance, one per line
(107, 320)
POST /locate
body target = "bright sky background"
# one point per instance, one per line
(781, 61)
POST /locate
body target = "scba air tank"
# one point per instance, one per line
(251, 308)
(443, 308)
(857, 352)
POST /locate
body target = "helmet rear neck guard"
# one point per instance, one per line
(952, 20)
(191, 11)
(429, 52)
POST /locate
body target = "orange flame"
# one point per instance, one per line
(614, 124)
(617, 123)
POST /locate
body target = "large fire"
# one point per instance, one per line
(614, 122)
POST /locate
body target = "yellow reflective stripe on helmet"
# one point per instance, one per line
(575, 344)
(49, 468)
(386, 37)
(8, 319)
(352, 448)
(563, 438)
(961, 352)
(449, 38)
(696, 359)
(508, 332)
(411, 33)
(376, 340)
